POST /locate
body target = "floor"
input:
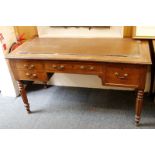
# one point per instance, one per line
(75, 108)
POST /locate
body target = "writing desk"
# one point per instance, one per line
(118, 62)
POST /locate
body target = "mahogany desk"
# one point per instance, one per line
(118, 62)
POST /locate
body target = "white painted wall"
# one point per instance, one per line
(8, 85)
(47, 31)
(147, 31)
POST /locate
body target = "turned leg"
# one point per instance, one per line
(139, 103)
(24, 96)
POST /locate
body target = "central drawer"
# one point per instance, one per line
(73, 67)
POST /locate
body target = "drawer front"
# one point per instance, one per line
(123, 75)
(88, 68)
(30, 75)
(58, 67)
(29, 65)
(73, 67)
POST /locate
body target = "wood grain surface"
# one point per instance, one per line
(123, 50)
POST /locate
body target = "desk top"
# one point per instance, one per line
(84, 49)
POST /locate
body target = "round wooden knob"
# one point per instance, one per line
(82, 67)
(28, 74)
(25, 65)
(34, 75)
(116, 73)
(62, 67)
(125, 74)
(54, 66)
(91, 67)
(31, 66)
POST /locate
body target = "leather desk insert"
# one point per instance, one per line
(118, 62)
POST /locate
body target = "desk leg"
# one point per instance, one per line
(139, 103)
(24, 96)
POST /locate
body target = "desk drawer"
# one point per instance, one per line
(30, 75)
(88, 68)
(28, 65)
(123, 75)
(58, 66)
(73, 67)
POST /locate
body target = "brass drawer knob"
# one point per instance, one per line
(62, 67)
(54, 66)
(31, 66)
(92, 68)
(82, 67)
(116, 73)
(28, 74)
(25, 65)
(125, 74)
(34, 75)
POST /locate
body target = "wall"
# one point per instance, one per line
(8, 86)
(82, 32)
(28, 31)
(144, 32)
